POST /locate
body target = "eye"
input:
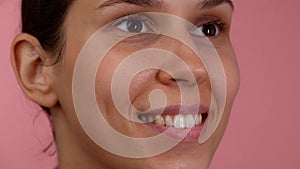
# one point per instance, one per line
(133, 24)
(208, 30)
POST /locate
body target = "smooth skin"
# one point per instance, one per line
(51, 86)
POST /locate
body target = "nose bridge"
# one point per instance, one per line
(190, 59)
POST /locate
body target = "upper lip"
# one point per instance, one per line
(177, 109)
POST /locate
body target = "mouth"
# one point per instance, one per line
(179, 122)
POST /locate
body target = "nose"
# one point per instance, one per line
(193, 73)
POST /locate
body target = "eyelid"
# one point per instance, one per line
(144, 18)
(212, 20)
(209, 20)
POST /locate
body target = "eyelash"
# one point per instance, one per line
(204, 20)
(213, 20)
(141, 17)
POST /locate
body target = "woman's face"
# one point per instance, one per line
(86, 17)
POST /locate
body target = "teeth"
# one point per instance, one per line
(179, 121)
(143, 118)
(189, 121)
(169, 121)
(198, 119)
(159, 120)
(150, 119)
(146, 119)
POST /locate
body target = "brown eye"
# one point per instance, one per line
(208, 30)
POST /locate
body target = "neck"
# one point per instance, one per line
(70, 148)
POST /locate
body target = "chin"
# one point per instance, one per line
(173, 160)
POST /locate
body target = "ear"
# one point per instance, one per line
(36, 80)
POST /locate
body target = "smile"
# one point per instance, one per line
(178, 121)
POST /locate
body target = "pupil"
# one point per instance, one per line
(209, 30)
(134, 26)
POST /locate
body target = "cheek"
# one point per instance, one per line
(142, 84)
(232, 74)
(108, 73)
(103, 80)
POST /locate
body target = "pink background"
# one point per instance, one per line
(264, 130)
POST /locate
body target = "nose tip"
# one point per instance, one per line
(193, 72)
(199, 73)
(195, 75)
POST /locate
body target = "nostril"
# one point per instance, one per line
(187, 78)
(165, 78)
(178, 80)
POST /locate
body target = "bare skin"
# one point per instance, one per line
(51, 86)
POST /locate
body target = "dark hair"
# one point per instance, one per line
(44, 20)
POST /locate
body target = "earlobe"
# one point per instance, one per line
(28, 60)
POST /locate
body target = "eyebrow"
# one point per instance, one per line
(156, 3)
(144, 3)
(214, 3)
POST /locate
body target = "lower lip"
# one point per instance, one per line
(185, 135)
